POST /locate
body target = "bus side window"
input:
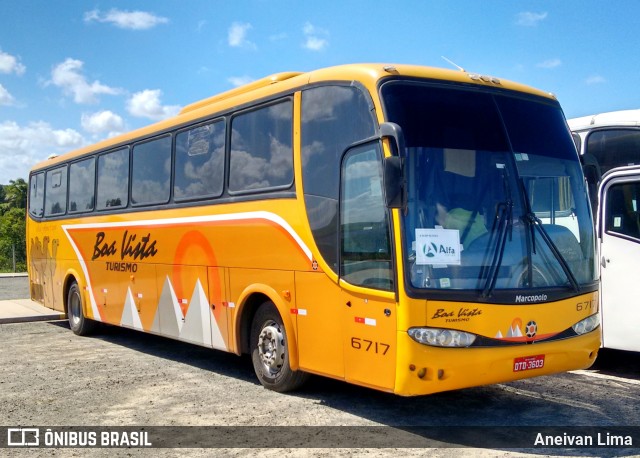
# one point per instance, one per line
(151, 172)
(623, 216)
(82, 177)
(333, 117)
(199, 169)
(364, 220)
(113, 180)
(36, 195)
(261, 156)
(56, 192)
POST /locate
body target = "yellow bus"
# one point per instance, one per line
(404, 228)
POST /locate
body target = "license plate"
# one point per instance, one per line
(527, 363)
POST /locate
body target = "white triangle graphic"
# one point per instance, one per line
(130, 316)
(197, 322)
(168, 320)
(200, 326)
(217, 341)
(499, 335)
(514, 332)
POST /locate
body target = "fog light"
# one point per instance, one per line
(441, 337)
(587, 325)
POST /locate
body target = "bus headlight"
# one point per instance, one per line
(441, 337)
(587, 325)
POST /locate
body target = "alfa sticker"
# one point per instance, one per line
(437, 246)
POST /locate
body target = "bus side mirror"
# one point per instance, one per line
(591, 168)
(393, 182)
(393, 132)
(592, 175)
(394, 185)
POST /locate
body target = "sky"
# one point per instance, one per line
(76, 72)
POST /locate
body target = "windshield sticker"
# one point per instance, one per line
(438, 246)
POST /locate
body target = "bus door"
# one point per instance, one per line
(370, 339)
(366, 271)
(619, 254)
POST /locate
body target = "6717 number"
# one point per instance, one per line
(370, 345)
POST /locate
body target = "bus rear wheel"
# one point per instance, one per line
(269, 351)
(80, 324)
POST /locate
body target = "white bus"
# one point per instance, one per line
(610, 147)
(613, 139)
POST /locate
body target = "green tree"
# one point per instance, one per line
(1, 198)
(13, 240)
(15, 193)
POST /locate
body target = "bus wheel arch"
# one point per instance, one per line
(70, 278)
(74, 307)
(270, 351)
(248, 304)
(246, 312)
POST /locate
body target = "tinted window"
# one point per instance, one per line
(485, 172)
(536, 128)
(366, 253)
(333, 117)
(623, 209)
(261, 148)
(444, 118)
(151, 172)
(113, 179)
(82, 177)
(199, 168)
(36, 195)
(614, 147)
(56, 192)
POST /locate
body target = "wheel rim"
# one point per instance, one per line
(271, 347)
(74, 308)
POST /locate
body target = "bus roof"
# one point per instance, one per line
(367, 74)
(612, 118)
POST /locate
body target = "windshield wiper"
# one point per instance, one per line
(504, 224)
(534, 222)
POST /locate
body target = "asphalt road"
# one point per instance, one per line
(120, 377)
(14, 288)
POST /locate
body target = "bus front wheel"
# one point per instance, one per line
(269, 351)
(80, 324)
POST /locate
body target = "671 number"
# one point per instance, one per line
(369, 345)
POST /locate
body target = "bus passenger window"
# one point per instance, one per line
(82, 177)
(36, 195)
(261, 149)
(199, 169)
(113, 180)
(151, 172)
(56, 192)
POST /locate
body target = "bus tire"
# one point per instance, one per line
(80, 324)
(269, 351)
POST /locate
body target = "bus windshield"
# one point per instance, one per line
(495, 194)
